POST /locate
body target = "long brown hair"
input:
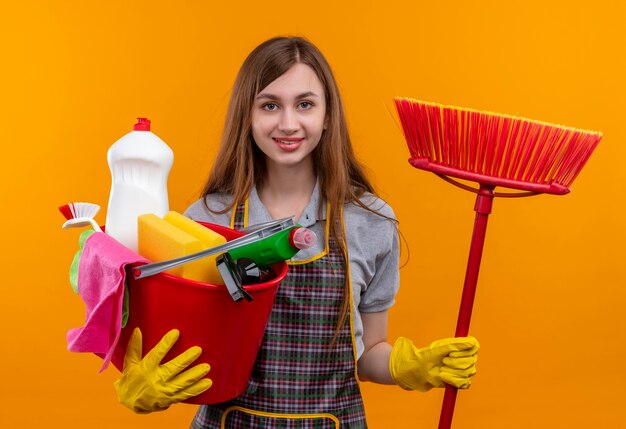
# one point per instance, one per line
(240, 164)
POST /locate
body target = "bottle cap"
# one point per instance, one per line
(143, 124)
(302, 238)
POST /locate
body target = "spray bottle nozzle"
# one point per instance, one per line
(302, 238)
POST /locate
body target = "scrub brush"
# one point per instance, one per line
(80, 214)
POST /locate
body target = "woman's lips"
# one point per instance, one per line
(288, 144)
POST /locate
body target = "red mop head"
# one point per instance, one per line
(494, 149)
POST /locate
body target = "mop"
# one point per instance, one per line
(491, 149)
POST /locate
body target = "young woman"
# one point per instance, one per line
(286, 152)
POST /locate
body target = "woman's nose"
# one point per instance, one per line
(288, 122)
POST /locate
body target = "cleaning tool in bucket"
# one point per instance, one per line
(80, 214)
(267, 230)
(249, 263)
(493, 150)
(229, 333)
(278, 247)
(233, 276)
(140, 163)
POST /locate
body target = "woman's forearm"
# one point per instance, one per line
(374, 364)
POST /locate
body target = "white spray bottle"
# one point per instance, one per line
(140, 163)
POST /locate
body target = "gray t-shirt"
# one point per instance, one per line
(372, 244)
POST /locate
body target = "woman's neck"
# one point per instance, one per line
(287, 191)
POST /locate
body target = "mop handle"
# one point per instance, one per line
(484, 201)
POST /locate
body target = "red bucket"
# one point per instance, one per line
(229, 332)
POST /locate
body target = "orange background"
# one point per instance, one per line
(551, 297)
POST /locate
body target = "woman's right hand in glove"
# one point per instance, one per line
(147, 386)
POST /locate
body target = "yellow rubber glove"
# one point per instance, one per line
(450, 360)
(148, 386)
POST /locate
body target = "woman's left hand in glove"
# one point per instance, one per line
(447, 361)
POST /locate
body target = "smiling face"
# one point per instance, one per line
(288, 118)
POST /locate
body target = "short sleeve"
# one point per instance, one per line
(380, 293)
(199, 210)
(372, 241)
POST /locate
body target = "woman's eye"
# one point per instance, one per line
(270, 106)
(305, 105)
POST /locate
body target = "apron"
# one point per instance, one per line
(299, 381)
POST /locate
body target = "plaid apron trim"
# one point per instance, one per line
(334, 420)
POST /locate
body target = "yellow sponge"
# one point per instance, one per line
(159, 240)
(207, 236)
